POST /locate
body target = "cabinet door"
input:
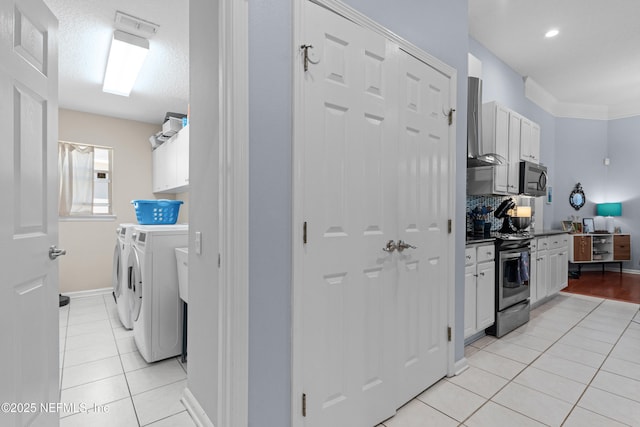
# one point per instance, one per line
(160, 159)
(535, 143)
(470, 293)
(182, 158)
(622, 247)
(500, 137)
(533, 274)
(525, 140)
(563, 269)
(486, 292)
(513, 171)
(542, 274)
(555, 272)
(582, 248)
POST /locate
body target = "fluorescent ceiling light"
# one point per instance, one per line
(551, 33)
(126, 57)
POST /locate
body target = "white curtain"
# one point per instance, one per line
(75, 171)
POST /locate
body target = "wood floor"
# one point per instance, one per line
(611, 285)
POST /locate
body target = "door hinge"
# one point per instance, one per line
(304, 404)
(450, 226)
(448, 333)
(304, 233)
(450, 116)
(219, 260)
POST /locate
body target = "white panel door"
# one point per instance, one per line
(423, 214)
(349, 207)
(375, 169)
(29, 368)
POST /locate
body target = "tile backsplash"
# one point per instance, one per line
(492, 201)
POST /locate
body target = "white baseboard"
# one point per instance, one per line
(194, 409)
(460, 366)
(89, 293)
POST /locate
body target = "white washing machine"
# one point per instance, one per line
(120, 277)
(156, 307)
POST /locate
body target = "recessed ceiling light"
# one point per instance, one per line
(551, 33)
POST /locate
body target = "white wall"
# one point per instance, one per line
(90, 244)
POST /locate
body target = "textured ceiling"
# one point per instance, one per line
(85, 31)
(595, 59)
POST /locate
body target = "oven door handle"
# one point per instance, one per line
(510, 256)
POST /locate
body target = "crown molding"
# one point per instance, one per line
(539, 95)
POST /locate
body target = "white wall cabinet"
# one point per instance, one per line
(503, 134)
(529, 141)
(171, 164)
(480, 288)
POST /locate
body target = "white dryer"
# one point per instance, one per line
(121, 291)
(156, 306)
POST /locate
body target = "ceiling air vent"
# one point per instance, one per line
(136, 26)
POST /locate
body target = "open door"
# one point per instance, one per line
(29, 367)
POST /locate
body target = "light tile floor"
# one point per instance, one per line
(100, 365)
(575, 364)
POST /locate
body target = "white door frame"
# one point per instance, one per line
(298, 185)
(233, 176)
(233, 388)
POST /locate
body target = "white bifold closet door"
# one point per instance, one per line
(375, 168)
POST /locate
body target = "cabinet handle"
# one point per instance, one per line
(482, 274)
(468, 256)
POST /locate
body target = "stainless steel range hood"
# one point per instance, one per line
(475, 158)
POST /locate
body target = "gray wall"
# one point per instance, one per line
(623, 183)
(270, 94)
(438, 27)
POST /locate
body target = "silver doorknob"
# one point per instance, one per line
(54, 252)
(404, 245)
(391, 246)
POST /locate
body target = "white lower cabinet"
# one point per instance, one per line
(480, 288)
(549, 266)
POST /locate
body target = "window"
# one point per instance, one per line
(85, 180)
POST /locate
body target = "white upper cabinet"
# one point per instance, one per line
(529, 141)
(171, 164)
(495, 139)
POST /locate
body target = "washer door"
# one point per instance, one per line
(116, 277)
(134, 283)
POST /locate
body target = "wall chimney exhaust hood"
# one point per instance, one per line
(474, 129)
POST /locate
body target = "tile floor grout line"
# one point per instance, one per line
(594, 376)
(126, 379)
(522, 370)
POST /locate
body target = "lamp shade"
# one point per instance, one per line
(609, 209)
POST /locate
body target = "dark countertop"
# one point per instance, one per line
(543, 233)
(472, 240)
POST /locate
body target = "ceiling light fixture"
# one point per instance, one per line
(126, 56)
(551, 33)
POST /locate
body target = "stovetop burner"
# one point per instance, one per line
(521, 235)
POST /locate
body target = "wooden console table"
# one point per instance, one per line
(599, 249)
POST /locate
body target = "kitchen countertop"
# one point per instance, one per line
(543, 233)
(472, 240)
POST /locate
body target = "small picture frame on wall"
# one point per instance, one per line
(549, 198)
(588, 225)
(567, 226)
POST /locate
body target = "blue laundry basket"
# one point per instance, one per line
(161, 211)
